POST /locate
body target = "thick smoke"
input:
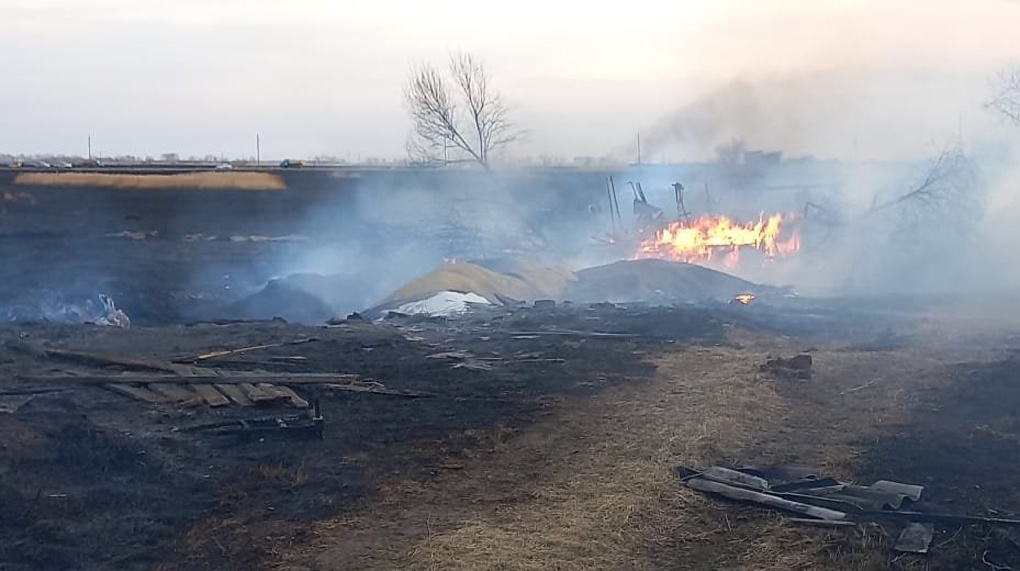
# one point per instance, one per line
(849, 113)
(399, 227)
(914, 202)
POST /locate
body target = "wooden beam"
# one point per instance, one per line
(230, 378)
(137, 392)
(210, 395)
(235, 393)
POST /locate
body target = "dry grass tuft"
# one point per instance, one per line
(295, 476)
(616, 503)
(595, 487)
(192, 180)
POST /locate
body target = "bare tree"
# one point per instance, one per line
(1007, 97)
(949, 182)
(461, 114)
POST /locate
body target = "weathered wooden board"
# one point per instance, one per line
(138, 392)
(176, 393)
(256, 394)
(210, 395)
(235, 393)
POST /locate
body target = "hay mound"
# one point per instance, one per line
(494, 280)
(190, 180)
(655, 281)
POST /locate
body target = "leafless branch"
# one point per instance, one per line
(1007, 96)
(946, 196)
(465, 116)
(948, 178)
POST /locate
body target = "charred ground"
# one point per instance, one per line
(515, 438)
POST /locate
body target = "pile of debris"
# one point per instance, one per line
(826, 502)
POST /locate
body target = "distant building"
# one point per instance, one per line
(763, 158)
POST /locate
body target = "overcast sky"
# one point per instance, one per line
(834, 78)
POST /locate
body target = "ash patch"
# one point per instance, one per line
(73, 486)
(104, 466)
(963, 444)
(656, 281)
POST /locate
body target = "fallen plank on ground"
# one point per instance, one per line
(233, 378)
(140, 393)
(97, 360)
(744, 495)
(240, 350)
(210, 395)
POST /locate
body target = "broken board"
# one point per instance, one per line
(213, 395)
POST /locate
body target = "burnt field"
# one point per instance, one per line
(174, 255)
(515, 437)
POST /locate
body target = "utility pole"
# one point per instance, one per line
(258, 151)
(90, 147)
(639, 149)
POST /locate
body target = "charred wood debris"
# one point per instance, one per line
(809, 499)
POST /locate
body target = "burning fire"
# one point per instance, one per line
(708, 238)
(744, 298)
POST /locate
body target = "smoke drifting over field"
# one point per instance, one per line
(888, 229)
(915, 203)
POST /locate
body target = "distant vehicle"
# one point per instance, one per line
(65, 165)
(224, 167)
(288, 164)
(42, 165)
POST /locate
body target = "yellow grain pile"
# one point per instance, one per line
(191, 180)
(516, 280)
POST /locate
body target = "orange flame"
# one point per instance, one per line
(744, 298)
(707, 238)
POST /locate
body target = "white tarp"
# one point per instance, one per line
(444, 303)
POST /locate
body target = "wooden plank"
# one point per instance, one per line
(255, 394)
(271, 389)
(233, 378)
(176, 393)
(210, 395)
(138, 392)
(289, 394)
(240, 350)
(235, 393)
(743, 495)
(97, 360)
(380, 390)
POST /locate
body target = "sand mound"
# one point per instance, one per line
(191, 180)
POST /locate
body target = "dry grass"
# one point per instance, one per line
(615, 502)
(279, 474)
(594, 488)
(194, 180)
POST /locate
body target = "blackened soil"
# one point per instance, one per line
(92, 479)
(963, 444)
